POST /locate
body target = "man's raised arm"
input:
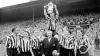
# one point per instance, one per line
(45, 13)
(57, 13)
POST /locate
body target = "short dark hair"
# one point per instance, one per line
(13, 29)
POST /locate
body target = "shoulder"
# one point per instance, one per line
(62, 34)
(44, 39)
(55, 39)
(55, 6)
(86, 37)
(25, 39)
(56, 36)
(71, 36)
(34, 38)
(8, 36)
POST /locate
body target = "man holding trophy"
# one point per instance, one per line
(51, 13)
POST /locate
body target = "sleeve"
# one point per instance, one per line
(88, 41)
(89, 46)
(60, 40)
(57, 45)
(13, 40)
(42, 47)
(18, 43)
(45, 12)
(56, 36)
(30, 43)
(57, 13)
(6, 41)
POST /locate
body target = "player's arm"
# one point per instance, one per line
(6, 45)
(60, 40)
(57, 46)
(18, 44)
(42, 48)
(30, 44)
(31, 51)
(45, 13)
(6, 41)
(89, 45)
(18, 50)
(57, 13)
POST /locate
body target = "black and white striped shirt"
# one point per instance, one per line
(24, 44)
(63, 41)
(11, 42)
(83, 41)
(67, 42)
(34, 43)
(70, 42)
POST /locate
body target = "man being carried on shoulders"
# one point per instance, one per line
(51, 13)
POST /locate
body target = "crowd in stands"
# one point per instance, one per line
(91, 19)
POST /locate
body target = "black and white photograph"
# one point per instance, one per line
(49, 28)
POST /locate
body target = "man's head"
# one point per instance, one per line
(65, 30)
(49, 33)
(50, 3)
(79, 33)
(42, 30)
(36, 33)
(15, 30)
(26, 34)
(74, 33)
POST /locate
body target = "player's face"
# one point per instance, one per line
(36, 32)
(49, 33)
(79, 33)
(74, 33)
(42, 31)
(16, 32)
(26, 34)
(66, 32)
(50, 4)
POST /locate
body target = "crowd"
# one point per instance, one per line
(6, 27)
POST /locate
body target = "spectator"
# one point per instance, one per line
(97, 42)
